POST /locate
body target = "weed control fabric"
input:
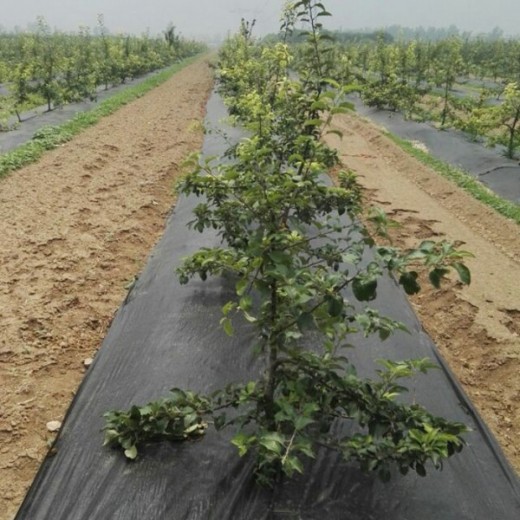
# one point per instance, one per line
(166, 335)
(488, 165)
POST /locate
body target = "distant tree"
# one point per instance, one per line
(48, 64)
(172, 39)
(499, 123)
(507, 117)
(447, 65)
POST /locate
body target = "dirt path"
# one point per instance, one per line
(76, 227)
(476, 328)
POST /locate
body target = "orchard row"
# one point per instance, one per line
(52, 68)
(469, 84)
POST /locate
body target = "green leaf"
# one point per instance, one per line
(241, 286)
(420, 469)
(364, 291)
(246, 303)
(249, 317)
(436, 276)
(242, 442)
(228, 308)
(319, 105)
(306, 449)
(313, 122)
(279, 257)
(339, 133)
(219, 421)
(409, 282)
(427, 246)
(305, 321)
(272, 441)
(131, 453)
(463, 272)
(292, 465)
(227, 326)
(302, 422)
(111, 436)
(384, 334)
(335, 306)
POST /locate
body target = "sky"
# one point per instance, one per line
(212, 18)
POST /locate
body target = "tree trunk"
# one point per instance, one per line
(512, 134)
(445, 109)
(272, 354)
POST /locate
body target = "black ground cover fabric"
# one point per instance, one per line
(168, 335)
(488, 165)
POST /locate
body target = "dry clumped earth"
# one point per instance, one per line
(76, 228)
(78, 225)
(476, 328)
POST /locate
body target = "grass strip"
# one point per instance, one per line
(49, 137)
(462, 179)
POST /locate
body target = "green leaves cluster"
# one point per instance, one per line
(52, 67)
(298, 255)
(177, 417)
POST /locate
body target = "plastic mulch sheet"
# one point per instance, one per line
(488, 165)
(168, 335)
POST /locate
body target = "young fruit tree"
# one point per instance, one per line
(506, 117)
(297, 252)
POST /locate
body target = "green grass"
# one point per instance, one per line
(462, 179)
(51, 137)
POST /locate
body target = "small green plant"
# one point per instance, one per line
(177, 417)
(51, 136)
(297, 253)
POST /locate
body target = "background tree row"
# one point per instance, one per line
(51, 67)
(470, 84)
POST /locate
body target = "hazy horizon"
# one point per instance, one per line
(210, 19)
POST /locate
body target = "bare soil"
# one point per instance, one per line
(476, 328)
(75, 229)
(78, 226)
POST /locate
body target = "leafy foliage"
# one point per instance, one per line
(506, 117)
(177, 417)
(294, 243)
(51, 67)
(466, 83)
